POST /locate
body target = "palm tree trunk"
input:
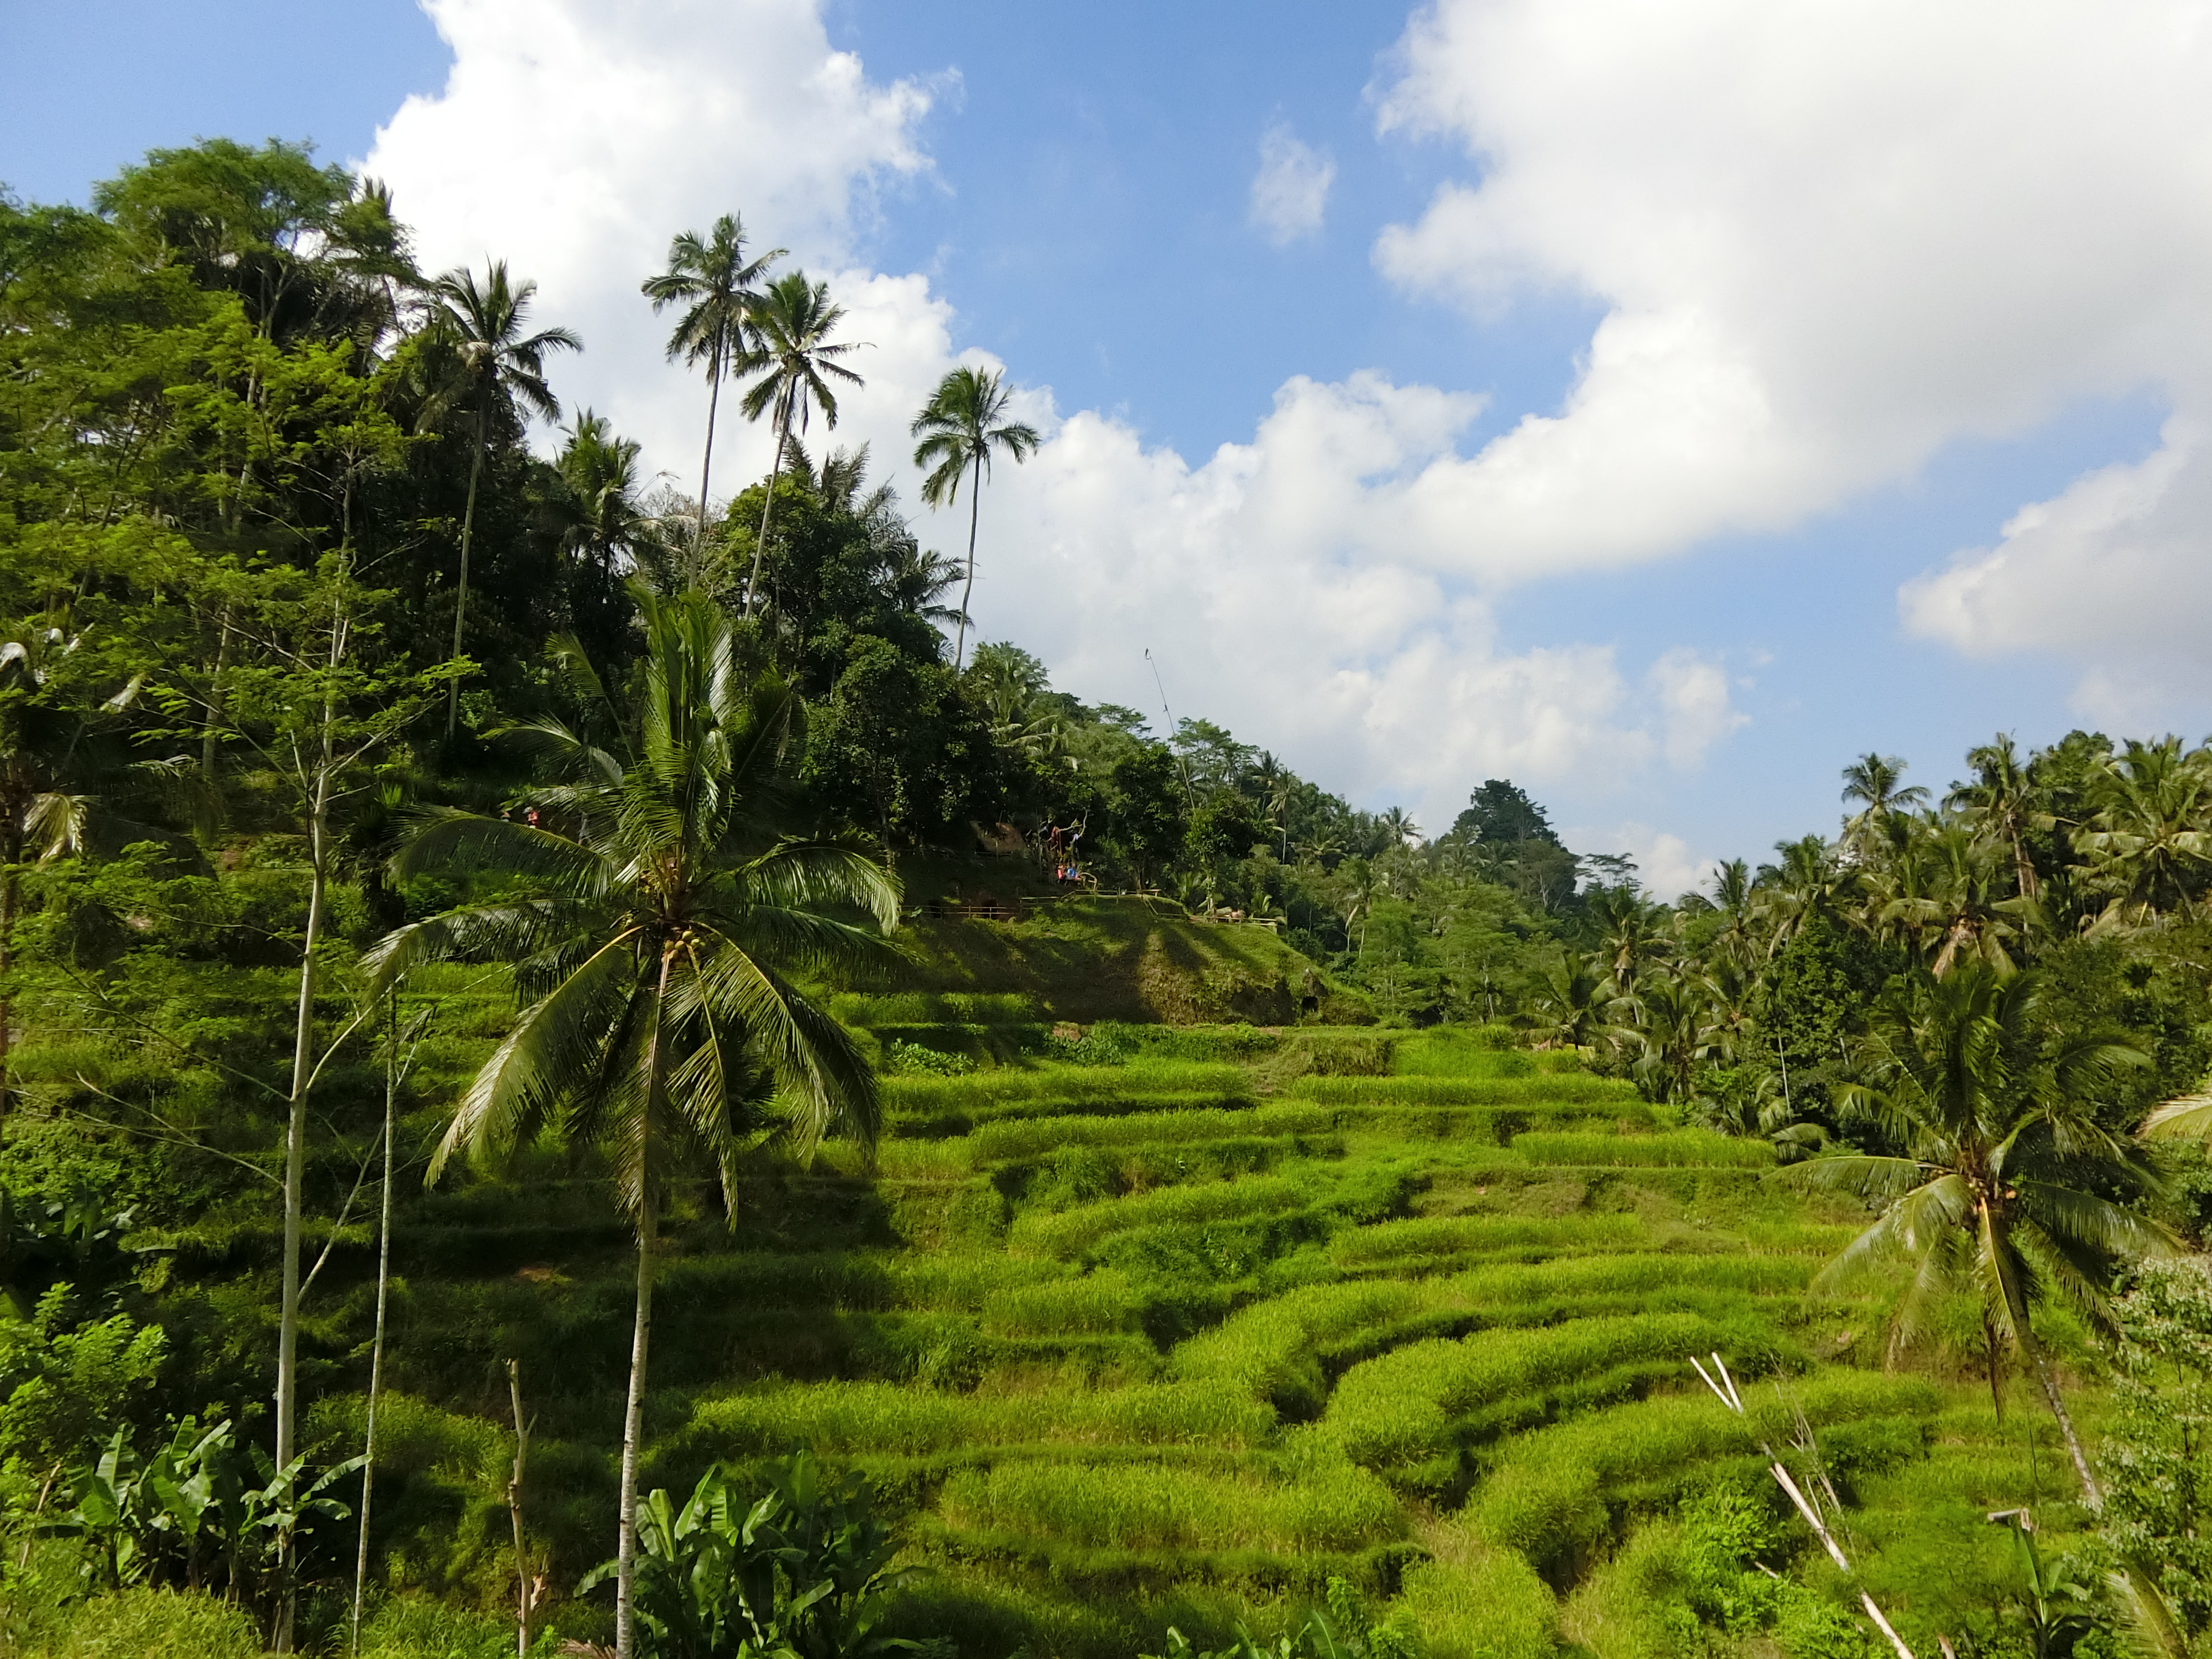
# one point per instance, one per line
(760, 542)
(2032, 1352)
(975, 505)
(707, 465)
(641, 1333)
(633, 1438)
(461, 593)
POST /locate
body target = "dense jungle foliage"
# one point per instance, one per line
(580, 1066)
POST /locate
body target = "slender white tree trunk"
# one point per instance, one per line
(461, 593)
(376, 1345)
(707, 465)
(640, 1336)
(525, 1597)
(633, 1439)
(760, 542)
(967, 593)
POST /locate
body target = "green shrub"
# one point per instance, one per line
(902, 1058)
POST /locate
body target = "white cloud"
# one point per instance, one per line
(1305, 589)
(1290, 193)
(574, 138)
(1827, 241)
(2112, 575)
(1664, 864)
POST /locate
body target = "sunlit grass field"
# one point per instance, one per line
(1172, 1342)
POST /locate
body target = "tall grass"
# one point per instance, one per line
(1557, 1088)
(1548, 1491)
(1406, 1244)
(1678, 1147)
(1410, 1404)
(1471, 1602)
(859, 1419)
(1072, 1233)
(1124, 1506)
(1102, 1301)
(1004, 1140)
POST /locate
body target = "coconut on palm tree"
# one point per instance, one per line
(791, 322)
(718, 287)
(960, 426)
(652, 914)
(487, 364)
(2005, 1186)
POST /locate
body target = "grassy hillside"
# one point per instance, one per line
(1129, 1346)
(1132, 959)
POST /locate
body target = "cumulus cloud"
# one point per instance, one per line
(1290, 193)
(575, 137)
(1827, 241)
(1664, 864)
(2112, 574)
(1306, 587)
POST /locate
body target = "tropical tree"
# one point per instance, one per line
(2149, 848)
(485, 363)
(962, 423)
(2000, 800)
(1948, 893)
(1876, 782)
(791, 322)
(652, 914)
(718, 287)
(2007, 1187)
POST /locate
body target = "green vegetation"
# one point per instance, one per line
(950, 1170)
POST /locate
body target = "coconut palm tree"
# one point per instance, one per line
(1875, 781)
(2148, 847)
(652, 914)
(964, 420)
(1949, 894)
(791, 322)
(1999, 799)
(718, 287)
(2007, 1184)
(484, 362)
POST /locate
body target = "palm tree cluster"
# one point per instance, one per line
(2082, 842)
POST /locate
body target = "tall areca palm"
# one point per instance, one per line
(2006, 1182)
(962, 423)
(488, 365)
(651, 914)
(791, 322)
(718, 287)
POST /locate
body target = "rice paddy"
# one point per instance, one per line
(1127, 1345)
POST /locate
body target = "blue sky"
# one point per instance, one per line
(1074, 201)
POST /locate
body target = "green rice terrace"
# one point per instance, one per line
(1134, 1327)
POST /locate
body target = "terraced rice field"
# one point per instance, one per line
(1134, 1345)
(1191, 1351)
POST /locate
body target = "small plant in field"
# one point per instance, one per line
(1346, 1630)
(801, 1570)
(910, 1059)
